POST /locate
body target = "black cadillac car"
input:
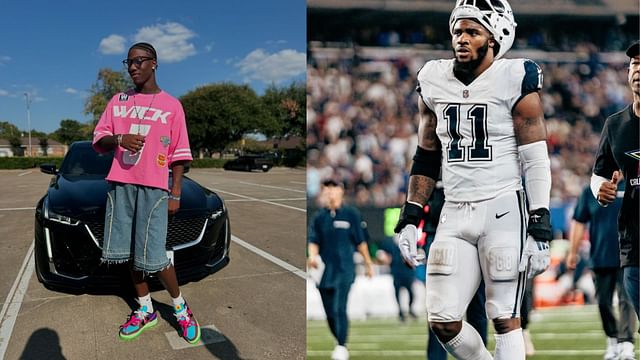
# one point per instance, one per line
(250, 162)
(69, 226)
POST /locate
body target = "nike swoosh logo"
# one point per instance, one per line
(501, 215)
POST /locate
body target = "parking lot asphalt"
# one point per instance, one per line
(254, 308)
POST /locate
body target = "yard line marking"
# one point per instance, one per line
(25, 173)
(283, 264)
(258, 200)
(360, 338)
(272, 187)
(298, 182)
(14, 209)
(246, 200)
(13, 303)
(403, 353)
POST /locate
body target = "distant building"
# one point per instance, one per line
(54, 148)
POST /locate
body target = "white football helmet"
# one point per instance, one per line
(495, 15)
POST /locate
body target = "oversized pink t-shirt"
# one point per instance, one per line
(160, 118)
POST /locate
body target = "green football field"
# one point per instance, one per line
(557, 333)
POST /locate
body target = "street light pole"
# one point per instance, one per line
(28, 99)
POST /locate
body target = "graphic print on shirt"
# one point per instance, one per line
(139, 112)
(128, 157)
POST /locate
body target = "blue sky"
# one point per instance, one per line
(54, 49)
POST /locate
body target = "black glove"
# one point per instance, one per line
(540, 225)
(410, 214)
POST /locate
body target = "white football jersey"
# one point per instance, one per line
(475, 126)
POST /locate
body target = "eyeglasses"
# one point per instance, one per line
(136, 61)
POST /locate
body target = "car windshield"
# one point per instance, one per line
(83, 160)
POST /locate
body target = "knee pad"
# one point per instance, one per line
(503, 263)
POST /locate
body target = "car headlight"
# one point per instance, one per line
(48, 214)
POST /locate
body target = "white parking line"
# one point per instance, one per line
(244, 200)
(25, 173)
(13, 303)
(14, 209)
(272, 187)
(258, 200)
(283, 264)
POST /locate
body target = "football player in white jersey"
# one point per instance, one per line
(482, 125)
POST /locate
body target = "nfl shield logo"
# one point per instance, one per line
(465, 93)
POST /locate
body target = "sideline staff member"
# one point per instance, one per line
(619, 150)
(335, 233)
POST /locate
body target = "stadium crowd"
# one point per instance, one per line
(362, 123)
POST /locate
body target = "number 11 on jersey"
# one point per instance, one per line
(479, 150)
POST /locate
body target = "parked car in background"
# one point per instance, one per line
(250, 162)
(69, 227)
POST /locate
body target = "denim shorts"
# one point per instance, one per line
(135, 227)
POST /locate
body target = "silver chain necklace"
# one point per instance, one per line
(136, 109)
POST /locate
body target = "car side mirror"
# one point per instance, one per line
(48, 169)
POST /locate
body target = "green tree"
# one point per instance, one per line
(8, 130)
(70, 131)
(44, 144)
(218, 114)
(11, 132)
(288, 106)
(16, 146)
(109, 83)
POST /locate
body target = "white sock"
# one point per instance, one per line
(178, 305)
(510, 346)
(145, 303)
(467, 345)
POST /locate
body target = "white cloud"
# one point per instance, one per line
(4, 92)
(71, 91)
(112, 45)
(171, 41)
(209, 47)
(263, 66)
(4, 59)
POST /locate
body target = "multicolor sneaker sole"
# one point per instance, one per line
(187, 324)
(150, 321)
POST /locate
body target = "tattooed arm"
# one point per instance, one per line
(528, 120)
(420, 186)
(531, 135)
(424, 173)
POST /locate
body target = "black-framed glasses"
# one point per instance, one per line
(136, 61)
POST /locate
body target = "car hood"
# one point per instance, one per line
(83, 197)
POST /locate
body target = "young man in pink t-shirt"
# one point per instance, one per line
(146, 128)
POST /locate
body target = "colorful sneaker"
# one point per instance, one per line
(188, 323)
(137, 322)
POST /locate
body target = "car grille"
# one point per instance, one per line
(181, 231)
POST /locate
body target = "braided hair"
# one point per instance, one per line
(146, 47)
